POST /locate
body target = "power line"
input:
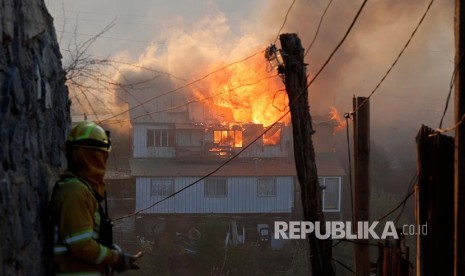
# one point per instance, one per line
(207, 75)
(340, 42)
(203, 99)
(449, 128)
(111, 37)
(259, 136)
(318, 28)
(284, 22)
(344, 266)
(410, 192)
(395, 61)
(410, 189)
(208, 174)
(451, 85)
(186, 85)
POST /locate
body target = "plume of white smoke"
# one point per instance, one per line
(415, 89)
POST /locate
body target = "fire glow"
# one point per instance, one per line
(337, 118)
(248, 90)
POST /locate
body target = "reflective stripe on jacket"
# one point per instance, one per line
(77, 220)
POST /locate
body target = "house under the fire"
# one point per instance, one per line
(171, 151)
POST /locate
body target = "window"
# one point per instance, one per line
(160, 138)
(272, 137)
(221, 137)
(216, 187)
(331, 193)
(266, 187)
(162, 187)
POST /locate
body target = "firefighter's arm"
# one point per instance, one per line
(77, 229)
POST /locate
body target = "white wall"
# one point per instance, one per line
(241, 198)
(140, 142)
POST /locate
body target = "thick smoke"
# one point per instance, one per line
(414, 92)
(189, 52)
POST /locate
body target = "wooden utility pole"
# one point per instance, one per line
(459, 186)
(435, 203)
(304, 153)
(361, 179)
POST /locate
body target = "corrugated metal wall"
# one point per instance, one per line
(241, 197)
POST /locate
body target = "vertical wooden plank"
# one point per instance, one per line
(361, 124)
(436, 202)
(459, 178)
(304, 153)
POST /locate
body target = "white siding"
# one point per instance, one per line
(140, 142)
(241, 197)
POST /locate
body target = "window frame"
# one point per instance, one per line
(208, 182)
(160, 138)
(323, 194)
(273, 185)
(169, 191)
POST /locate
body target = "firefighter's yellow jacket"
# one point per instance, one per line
(76, 219)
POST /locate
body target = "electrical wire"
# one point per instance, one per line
(410, 192)
(402, 204)
(284, 22)
(318, 28)
(395, 61)
(186, 85)
(261, 134)
(339, 44)
(344, 266)
(451, 86)
(192, 102)
(109, 37)
(202, 99)
(438, 130)
(208, 174)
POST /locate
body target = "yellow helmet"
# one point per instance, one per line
(89, 135)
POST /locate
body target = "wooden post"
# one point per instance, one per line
(304, 153)
(435, 203)
(393, 258)
(459, 187)
(361, 120)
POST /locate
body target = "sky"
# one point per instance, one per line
(138, 23)
(180, 36)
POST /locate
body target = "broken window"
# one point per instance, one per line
(272, 137)
(221, 137)
(266, 187)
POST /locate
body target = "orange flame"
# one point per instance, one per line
(248, 90)
(272, 137)
(229, 138)
(336, 117)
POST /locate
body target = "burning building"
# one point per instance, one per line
(181, 138)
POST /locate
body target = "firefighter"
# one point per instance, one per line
(82, 231)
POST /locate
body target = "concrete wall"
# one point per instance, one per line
(34, 118)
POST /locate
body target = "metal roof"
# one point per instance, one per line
(327, 165)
